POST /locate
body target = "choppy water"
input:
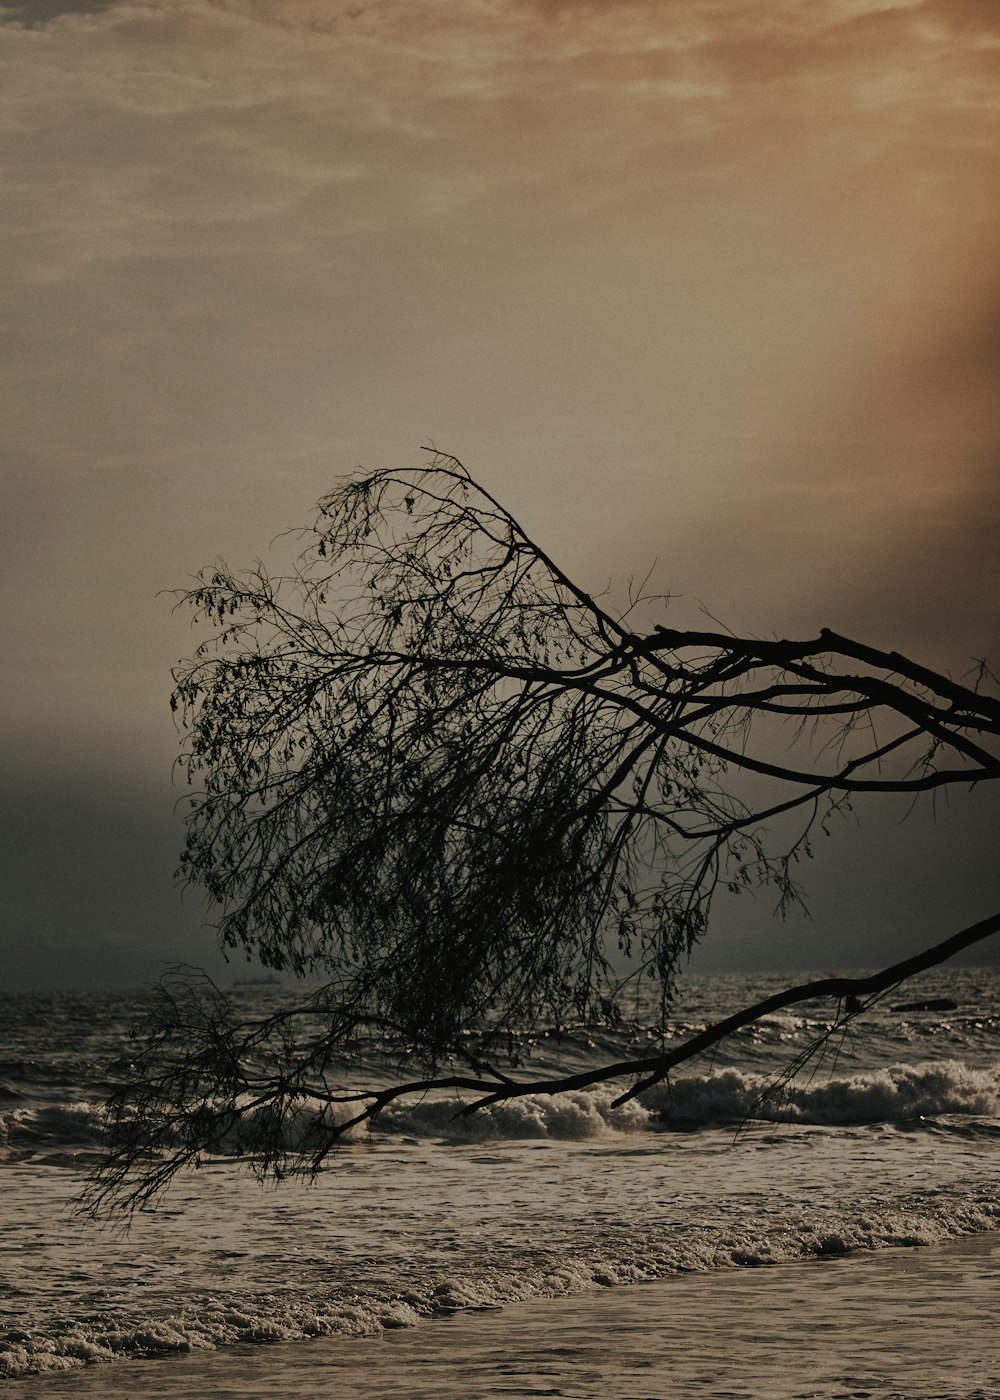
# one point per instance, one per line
(891, 1140)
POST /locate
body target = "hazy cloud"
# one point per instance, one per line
(709, 283)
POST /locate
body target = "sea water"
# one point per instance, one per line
(890, 1140)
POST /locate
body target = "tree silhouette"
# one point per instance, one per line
(463, 796)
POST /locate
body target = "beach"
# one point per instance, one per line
(918, 1323)
(843, 1242)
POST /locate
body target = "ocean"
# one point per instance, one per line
(886, 1143)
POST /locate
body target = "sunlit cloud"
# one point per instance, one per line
(707, 283)
(707, 262)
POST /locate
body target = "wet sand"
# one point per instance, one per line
(917, 1324)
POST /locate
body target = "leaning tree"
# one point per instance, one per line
(446, 787)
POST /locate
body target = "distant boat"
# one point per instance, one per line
(269, 981)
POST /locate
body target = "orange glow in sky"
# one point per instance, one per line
(706, 282)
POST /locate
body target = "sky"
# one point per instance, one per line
(705, 284)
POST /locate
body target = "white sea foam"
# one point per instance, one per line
(896, 1094)
(577, 1116)
(433, 1212)
(288, 1314)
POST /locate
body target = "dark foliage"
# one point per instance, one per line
(434, 775)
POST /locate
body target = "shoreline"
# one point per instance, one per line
(909, 1322)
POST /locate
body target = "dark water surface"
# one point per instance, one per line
(893, 1144)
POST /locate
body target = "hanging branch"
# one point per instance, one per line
(432, 773)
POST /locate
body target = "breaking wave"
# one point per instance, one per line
(933, 1091)
(312, 1312)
